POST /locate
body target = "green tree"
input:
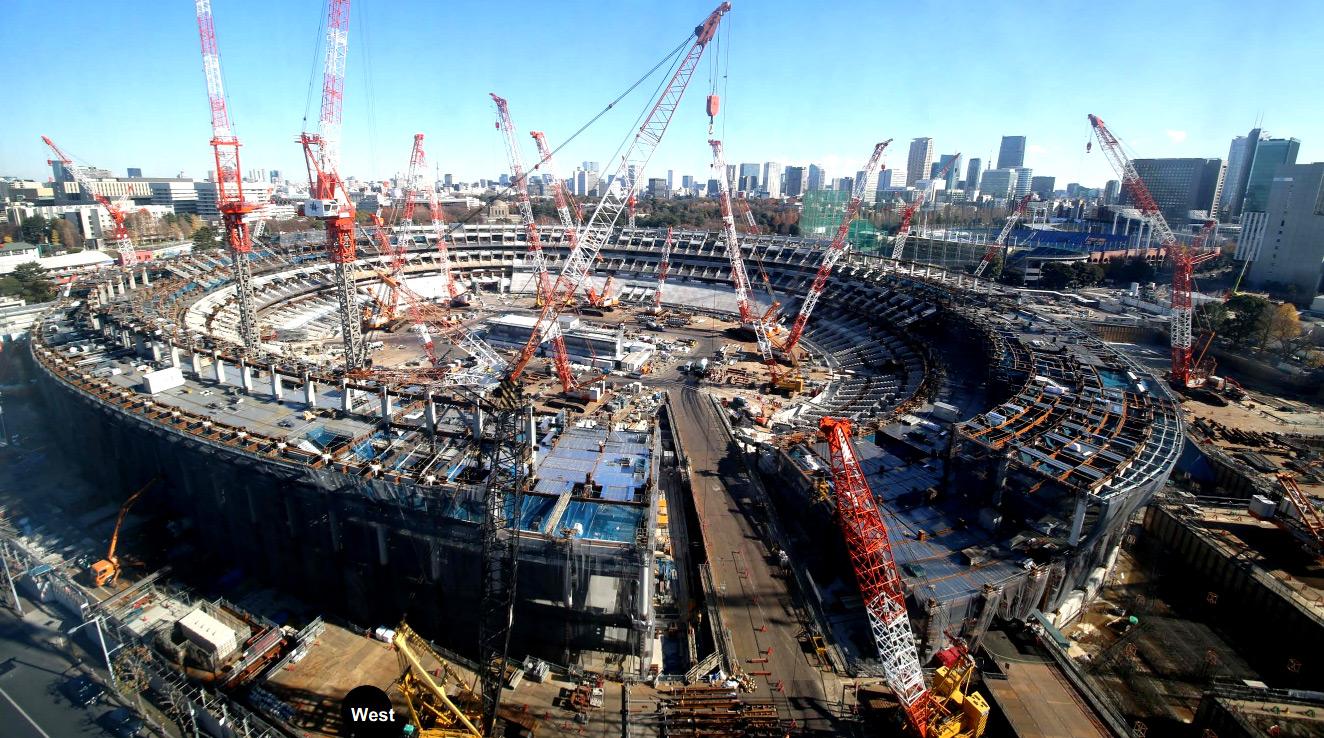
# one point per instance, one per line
(1245, 325)
(206, 239)
(1086, 274)
(29, 282)
(67, 234)
(1056, 275)
(34, 229)
(1211, 316)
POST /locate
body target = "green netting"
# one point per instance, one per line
(821, 215)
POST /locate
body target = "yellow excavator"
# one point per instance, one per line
(107, 570)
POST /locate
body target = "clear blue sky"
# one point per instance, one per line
(121, 85)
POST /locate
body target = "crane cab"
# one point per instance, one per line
(315, 208)
(102, 572)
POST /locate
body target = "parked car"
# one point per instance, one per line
(122, 723)
(82, 691)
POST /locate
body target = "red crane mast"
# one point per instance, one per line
(835, 250)
(120, 235)
(662, 270)
(999, 244)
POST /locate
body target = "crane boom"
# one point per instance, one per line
(1000, 244)
(877, 575)
(229, 181)
(120, 235)
(908, 215)
(633, 162)
(1182, 257)
(662, 270)
(739, 278)
(835, 250)
(108, 569)
(560, 193)
(560, 358)
(409, 192)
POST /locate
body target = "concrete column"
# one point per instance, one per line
(476, 423)
(96, 322)
(430, 414)
(275, 383)
(246, 377)
(386, 405)
(174, 354)
(195, 361)
(119, 286)
(219, 365)
(157, 352)
(309, 391)
(147, 277)
(346, 398)
(133, 280)
(1077, 520)
(139, 345)
(381, 544)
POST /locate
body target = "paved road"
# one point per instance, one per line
(31, 705)
(755, 603)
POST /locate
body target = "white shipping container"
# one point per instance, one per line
(208, 633)
(162, 380)
(1262, 507)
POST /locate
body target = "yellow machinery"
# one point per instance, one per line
(959, 714)
(107, 570)
(431, 708)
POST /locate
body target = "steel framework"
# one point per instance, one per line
(908, 215)
(1000, 244)
(120, 235)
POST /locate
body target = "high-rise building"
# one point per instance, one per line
(687, 182)
(1024, 180)
(671, 180)
(1236, 186)
(585, 181)
(1043, 187)
(1237, 154)
(731, 175)
(748, 183)
(953, 174)
(795, 182)
(815, 180)
(1111, 191)
(752, 171)
(1270, 155)
(590, 166)
(134, 172)
(917, 163)
(843, 184)
(274, 174)
(972, 172)
(713, 187)
(1011, 153)
(657, 187)
(870, 184)
(1180, 186)
(1293, 243)
(998, 183)
(772, 179)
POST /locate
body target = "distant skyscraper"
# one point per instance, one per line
(687, 182)
(731, 175)
(1043, 187)
(954, 174)
(590, 166)
(1237, 154)
(1024, 180)
(1293, 244)
(713, 186)
(274, 175)
(752, 171)
(972, 172)
(748, 183)
(1180, 185)
(917, 163)
(844, 184)
(1011, 153)
(815, 181)
(870, 184)
(1235, 186)
(671, 180)
(448, 180)
(1270, 154)
(998, 183)
(772, 179)
(1111, 190)
(135, 172)
(795, 182)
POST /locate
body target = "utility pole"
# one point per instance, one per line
(4, 557)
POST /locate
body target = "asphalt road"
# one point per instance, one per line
(753, 597)
(31, 705)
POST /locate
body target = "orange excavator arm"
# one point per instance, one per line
(108, 568)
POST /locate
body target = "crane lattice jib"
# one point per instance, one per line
(908, 215)
(1182, 257)
(507, 128)
(1310, 515)
(633, 163)
(333, 83)
(876, 575)
(409, 647)
(443, 247)
(560, 194)
(229, 181)
(835, 250)
(1000, 243)
(408, 191)
(119, 236)
(738, 275)
(662, 270)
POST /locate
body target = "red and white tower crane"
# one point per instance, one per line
(598, 230)
(662, 270)
(908, 215)
(409, 192)
(835, 250)
(119, 237)
(560, 193)
(327, 199)
(543, 284)
(739, 277)
(229, 181)
(999, 244)
(1182, 255)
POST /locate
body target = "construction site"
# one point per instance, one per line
(587, 477)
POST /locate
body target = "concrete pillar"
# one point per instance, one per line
(309, 391)
(147, 277)
(430, 413)
(346, 398)
(139, 344)
(246, 377)
(96, 322)
(275, 383)
(174, 354)
(195, 361)
(133, 280)
(381, 544)
(386, 405)
(119, 286)
(219, 365)
(157, 352)
(476, 423)
(1077, 519)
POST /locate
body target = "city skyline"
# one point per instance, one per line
(160, 124)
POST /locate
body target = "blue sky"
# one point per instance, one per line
(120, 85)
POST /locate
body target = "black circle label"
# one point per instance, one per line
(366, 713)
